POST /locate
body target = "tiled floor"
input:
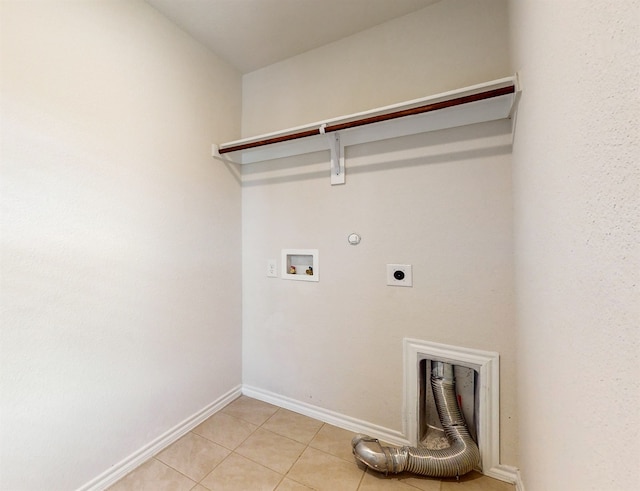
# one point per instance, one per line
(254, 446)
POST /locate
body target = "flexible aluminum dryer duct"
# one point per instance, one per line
(460, 457)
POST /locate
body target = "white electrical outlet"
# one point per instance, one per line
(399, 275)
(272, 268)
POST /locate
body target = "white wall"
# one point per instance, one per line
(120, 236)
(441, 202)
(451, 44)
(577, 189)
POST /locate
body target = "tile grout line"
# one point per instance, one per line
(233, 451)
(284, 476)
(360, 481)
(214, 468)
(261, 426)
(173, 469)
(298, 458)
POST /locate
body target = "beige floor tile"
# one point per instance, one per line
(293, 425)
(251, 410)
(225, 430)
(271, 450)
(289, 485)
(474, 481)
(374, 481)
(423, 483)
(153, 476)
(237, 473)
(325, 472)
(334, 440)
(193, 455)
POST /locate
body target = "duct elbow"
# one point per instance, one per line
(371, 453)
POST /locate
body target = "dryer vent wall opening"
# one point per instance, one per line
(430, 433)
(460, 457)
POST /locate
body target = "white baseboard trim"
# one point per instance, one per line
(519, 483)
(508, 474)
(340, 420)
(501, 472)
(122, 468)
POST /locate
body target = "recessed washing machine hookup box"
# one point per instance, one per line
(300, 264)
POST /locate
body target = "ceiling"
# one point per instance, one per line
(251, 34)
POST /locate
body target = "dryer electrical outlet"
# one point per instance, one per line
(399, 275)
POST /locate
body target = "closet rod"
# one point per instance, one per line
(480, 96)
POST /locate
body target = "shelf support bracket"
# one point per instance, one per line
(337, 156)
(215, 153)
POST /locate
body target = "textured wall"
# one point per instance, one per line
(120, 236)
(577, 189)
(440, 201)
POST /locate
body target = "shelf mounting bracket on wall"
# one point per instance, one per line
(215, 153)
(337, 155)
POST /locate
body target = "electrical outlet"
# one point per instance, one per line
(399, 275)
(272, 268)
